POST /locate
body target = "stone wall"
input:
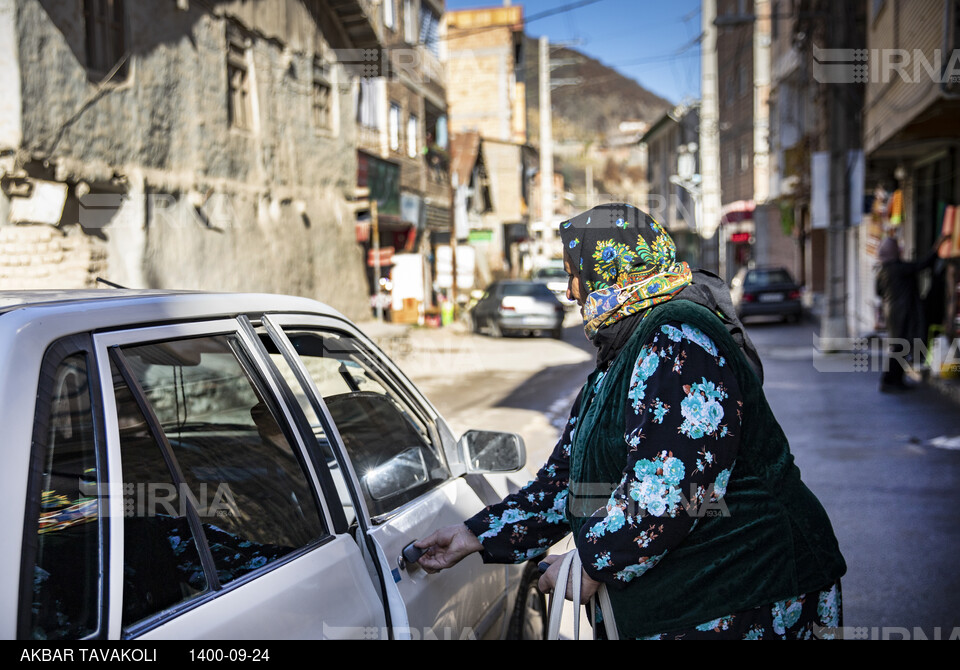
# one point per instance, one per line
(198, 204)
(42, 257)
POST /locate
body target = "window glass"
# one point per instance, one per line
(768, 277)
(531, 290)
(316, 425)
(161, 561)
(393, 123)
(105, 38)
(235, 459)
(67, 565)
(413, 135)
(389, 14)
(387, 436)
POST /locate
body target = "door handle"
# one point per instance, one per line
(409, 555)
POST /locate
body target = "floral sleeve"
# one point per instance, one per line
(525, 524)
(682, 427)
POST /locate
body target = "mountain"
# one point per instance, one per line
(593, 108)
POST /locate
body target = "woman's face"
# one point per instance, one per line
(574, 286)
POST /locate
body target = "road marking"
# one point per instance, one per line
(944, 442)
(558, 412)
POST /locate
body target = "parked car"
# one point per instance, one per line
(556, 279)
(518, 306)
(190, 465)
(768, 291)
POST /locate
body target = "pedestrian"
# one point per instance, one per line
(672, 473)
(897, 285)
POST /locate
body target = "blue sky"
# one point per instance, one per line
(639, 38)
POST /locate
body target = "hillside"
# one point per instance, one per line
(589, 110)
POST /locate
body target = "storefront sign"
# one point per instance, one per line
(386, 257)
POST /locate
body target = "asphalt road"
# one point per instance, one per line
(891, 493)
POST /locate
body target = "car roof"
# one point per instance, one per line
(128, 306)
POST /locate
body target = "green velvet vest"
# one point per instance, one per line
(776, 542)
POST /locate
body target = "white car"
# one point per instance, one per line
(233, 466)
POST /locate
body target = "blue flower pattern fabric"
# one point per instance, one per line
(682, 431)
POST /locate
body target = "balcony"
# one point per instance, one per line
(361, 21)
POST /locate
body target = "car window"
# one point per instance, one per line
(66, 569)
(161, 560)
(317, 427)
(389, 439)
(532, 290)
(768, 277)
(234, 466)
(550, 274)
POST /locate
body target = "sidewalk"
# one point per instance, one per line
(949, 388)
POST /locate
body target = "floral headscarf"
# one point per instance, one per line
(627, 263)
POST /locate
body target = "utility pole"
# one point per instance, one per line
(708, 218)
(546, 138)
(375, 225)
(842, 104)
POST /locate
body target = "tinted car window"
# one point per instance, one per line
(161, 561)
(65, 579)
(316, 425)
(235, 460)
(384, 432)
(550, 274)
(767, 277)
(532, 290)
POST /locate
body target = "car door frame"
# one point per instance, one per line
(265, 377)
(275, 325)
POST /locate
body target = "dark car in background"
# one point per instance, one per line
(555, 278)
(766, 291)
(519, 307)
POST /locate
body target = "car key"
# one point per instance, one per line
(409, 555)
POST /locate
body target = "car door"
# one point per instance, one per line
(403, 470)
(229, 528)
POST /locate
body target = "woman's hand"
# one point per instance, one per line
(446, 547)
(548, 581)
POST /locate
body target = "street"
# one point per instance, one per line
(869, 457)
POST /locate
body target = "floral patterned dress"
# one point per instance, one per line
(683, 426)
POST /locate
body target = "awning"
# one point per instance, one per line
(735, 212)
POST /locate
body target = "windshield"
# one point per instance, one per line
(532, 290)
(767, 277)
(550, 274)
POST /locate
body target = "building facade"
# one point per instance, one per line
(673, 176)
(911, 140)
(182, 145)
(487, 101)
(403, 156)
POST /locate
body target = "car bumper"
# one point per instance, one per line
(520, 322)
(783, 308)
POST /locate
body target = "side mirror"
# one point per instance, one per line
(405, 471)
(489, 451)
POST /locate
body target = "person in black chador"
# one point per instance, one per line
(897, 285)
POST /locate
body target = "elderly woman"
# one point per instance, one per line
(672, 474)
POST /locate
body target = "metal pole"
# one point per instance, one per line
(546, 138)
(375, 225)
(454, 184)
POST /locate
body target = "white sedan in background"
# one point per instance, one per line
(231, 466)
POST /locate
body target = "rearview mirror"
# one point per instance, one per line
(407, 470)
(489, 451)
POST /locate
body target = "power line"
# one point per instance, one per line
(527, 20)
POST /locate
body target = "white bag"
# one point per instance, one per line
(571, 561)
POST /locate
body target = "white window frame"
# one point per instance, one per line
(413, 136)
(394, 118)
(390, 14)
(411, 22)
